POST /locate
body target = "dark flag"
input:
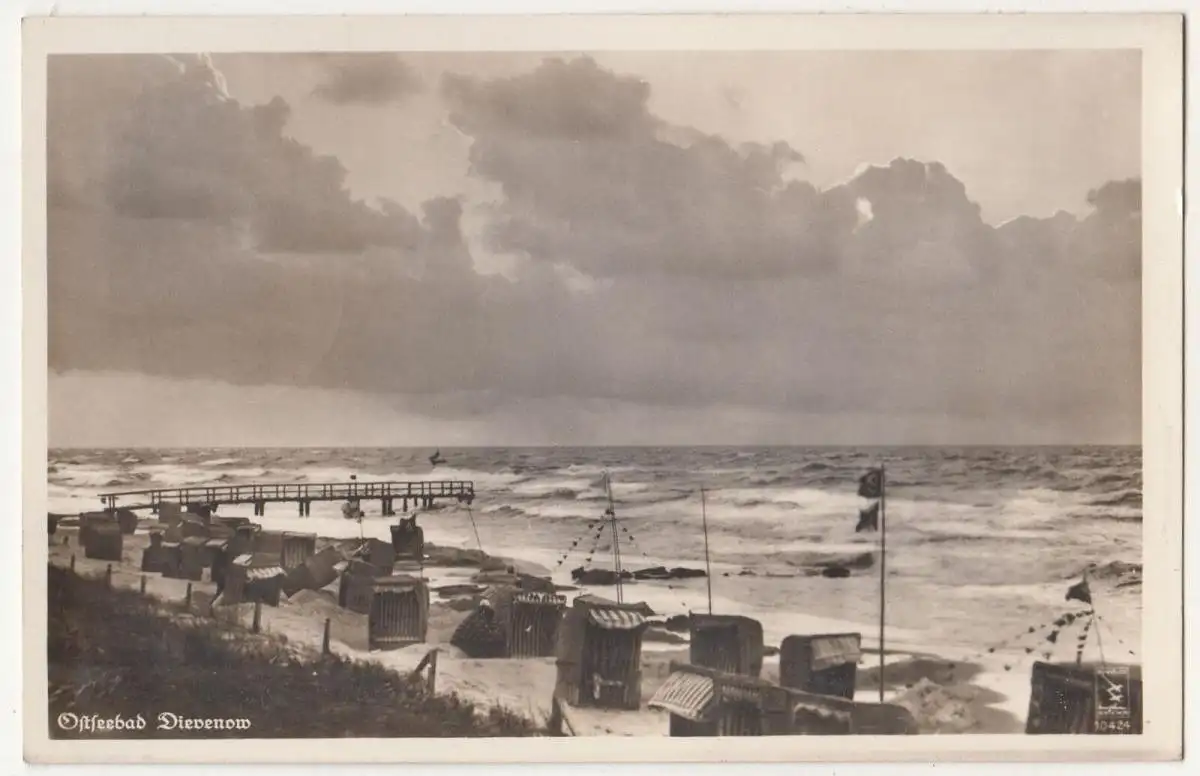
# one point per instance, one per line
(870, 485)
(1080, 592)
(868, 519)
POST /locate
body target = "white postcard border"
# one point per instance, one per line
(1159, 37)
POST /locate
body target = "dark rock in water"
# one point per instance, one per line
(531, 584)
(454, 556)
(747, 573)
(460, 603)
(597, 576)
(495, 578)
(679, 623)
(663, 573)
(863, 560)
(447, 591)
(1113, 569)
(769, 651)
(821, 560)
(480, 635)
(835, 572)
(661, 635)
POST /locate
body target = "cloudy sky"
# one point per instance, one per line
(457, 249)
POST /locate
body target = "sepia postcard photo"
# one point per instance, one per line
(481, 381)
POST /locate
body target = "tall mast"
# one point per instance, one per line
(882, 572)
(616, 542)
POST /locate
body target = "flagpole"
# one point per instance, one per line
(882, 570)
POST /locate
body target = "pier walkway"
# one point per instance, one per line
(421, 494)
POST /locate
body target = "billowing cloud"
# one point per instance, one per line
(365, 79)
(180, 148)
(576, 150)
(660, 270)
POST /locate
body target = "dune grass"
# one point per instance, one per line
(115, 652)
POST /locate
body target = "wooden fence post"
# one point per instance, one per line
(142, 585)
(257, 625)
(72, 561)
(432, 681)
(187, 598)
(325, 639)
(108, 575)
(555, 723)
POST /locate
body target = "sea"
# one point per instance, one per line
(981, 543)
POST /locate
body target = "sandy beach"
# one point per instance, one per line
(948, 693)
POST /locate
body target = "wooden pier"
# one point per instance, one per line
(419, 494)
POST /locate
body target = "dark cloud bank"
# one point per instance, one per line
(191, 237)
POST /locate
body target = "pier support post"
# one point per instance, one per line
(404, 504)
(325, 639)
(142, 585)
(308, 509)
(256, 626)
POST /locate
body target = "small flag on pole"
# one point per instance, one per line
(868, 519)
(1080, 591)
(870, 485)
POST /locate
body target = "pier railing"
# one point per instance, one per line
(427, 491)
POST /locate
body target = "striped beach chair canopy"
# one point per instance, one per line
(616, 619)
(830, 651)
(686, 694)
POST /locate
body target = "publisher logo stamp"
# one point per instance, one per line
(1114, 712)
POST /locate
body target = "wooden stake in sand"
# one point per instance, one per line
(430, 662)
(432, 672)
(108, 575)
(256, 626)
(142, 585)
(187, 598)
(72, 561)
(325, 639)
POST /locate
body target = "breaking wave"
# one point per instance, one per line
(1128, 498)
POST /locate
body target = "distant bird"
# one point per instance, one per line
(437, 458)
